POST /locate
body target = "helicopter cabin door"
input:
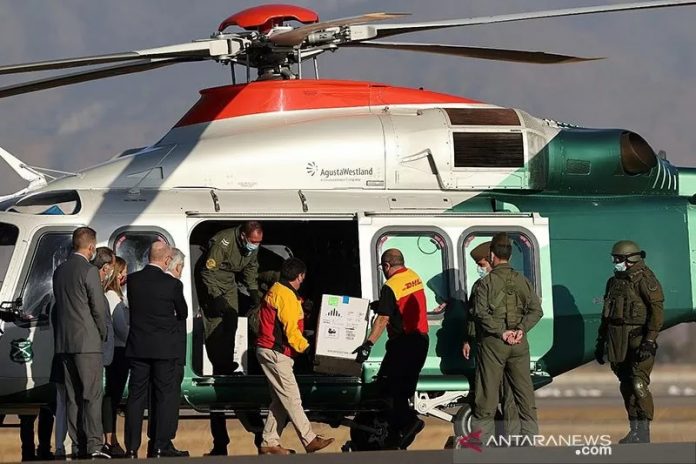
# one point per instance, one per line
(437, 247)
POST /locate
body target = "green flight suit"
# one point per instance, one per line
(226, 259)
(504, 300)
(511, 416)
(633, 310)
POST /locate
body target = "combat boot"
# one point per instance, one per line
(632, 435)
(643, 431)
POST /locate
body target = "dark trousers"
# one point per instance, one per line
(161, 374)
(26, 433)
(116, 378)
(152, 421)
(83, 389)
(219, 344)
(634, 378)
(404, 358)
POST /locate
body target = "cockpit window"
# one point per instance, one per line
(65, 202)
(8, 240)
(51, 251)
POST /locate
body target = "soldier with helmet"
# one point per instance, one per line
(631, 319)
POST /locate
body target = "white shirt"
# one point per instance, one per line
(119, 314)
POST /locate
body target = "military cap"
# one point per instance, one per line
(482, 251)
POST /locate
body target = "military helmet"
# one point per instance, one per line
(481, 251)
(627, 250)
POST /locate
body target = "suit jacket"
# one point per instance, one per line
(80, 307)
(157, 307)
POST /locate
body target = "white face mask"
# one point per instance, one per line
(482, 271)
(620, 267)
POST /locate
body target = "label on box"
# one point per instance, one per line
(342, 326)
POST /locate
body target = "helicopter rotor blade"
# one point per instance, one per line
(90, 75)
(497, 54)
(299, 34)
(205, 49)
(386, 30)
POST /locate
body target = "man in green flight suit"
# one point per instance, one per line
(232, 253)
(506, 308)
(511, 418)
(631, 319)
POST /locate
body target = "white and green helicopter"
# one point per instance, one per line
(338, 171)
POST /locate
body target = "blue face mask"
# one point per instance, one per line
(482, 271)
(250, 246)
(620, 267)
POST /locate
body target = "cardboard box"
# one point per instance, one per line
(241, 349)
(342, 328)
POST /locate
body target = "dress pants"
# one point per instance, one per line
(83, 388)
(152, 413)
(161, 374)
(286, 402)
(116, 378)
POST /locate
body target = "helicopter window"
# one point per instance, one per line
(488, 150)
(51, 251)
(134, 247)
(8, 240)
(49, 203)
(523, 257)
(426, 253)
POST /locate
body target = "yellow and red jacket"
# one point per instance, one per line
(281, 321)
(403, 300)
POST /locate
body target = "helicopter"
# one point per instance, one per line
(339, 171)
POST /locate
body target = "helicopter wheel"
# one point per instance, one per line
(369, 441)
(462, 420)
(464, 417)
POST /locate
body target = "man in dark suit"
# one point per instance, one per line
(80, 331)
(157, 306)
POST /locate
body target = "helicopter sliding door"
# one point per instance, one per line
(437, 247)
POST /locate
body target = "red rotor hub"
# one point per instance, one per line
(265, 17)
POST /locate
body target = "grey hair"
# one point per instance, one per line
(177, 258)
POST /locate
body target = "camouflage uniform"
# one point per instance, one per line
(504, 300)
(632, 317)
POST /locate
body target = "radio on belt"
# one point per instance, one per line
(341, 329)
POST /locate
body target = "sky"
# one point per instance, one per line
(646, 84)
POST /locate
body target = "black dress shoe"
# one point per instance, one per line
(100, 455)
(170, 453)
(130, 454)
(217, 452)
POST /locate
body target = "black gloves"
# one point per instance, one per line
(255, 296)
(599, 352)
(219, 305)
(646, 349)
(363, 351)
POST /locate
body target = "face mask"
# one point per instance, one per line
(250, 246)
(94, 255)
(620, 267)
(482, 271)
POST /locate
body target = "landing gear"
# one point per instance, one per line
(371, 431)
(462, 420)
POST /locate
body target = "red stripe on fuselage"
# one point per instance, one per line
(277, 96)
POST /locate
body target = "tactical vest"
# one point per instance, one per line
(623, 304)
(507, 306)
